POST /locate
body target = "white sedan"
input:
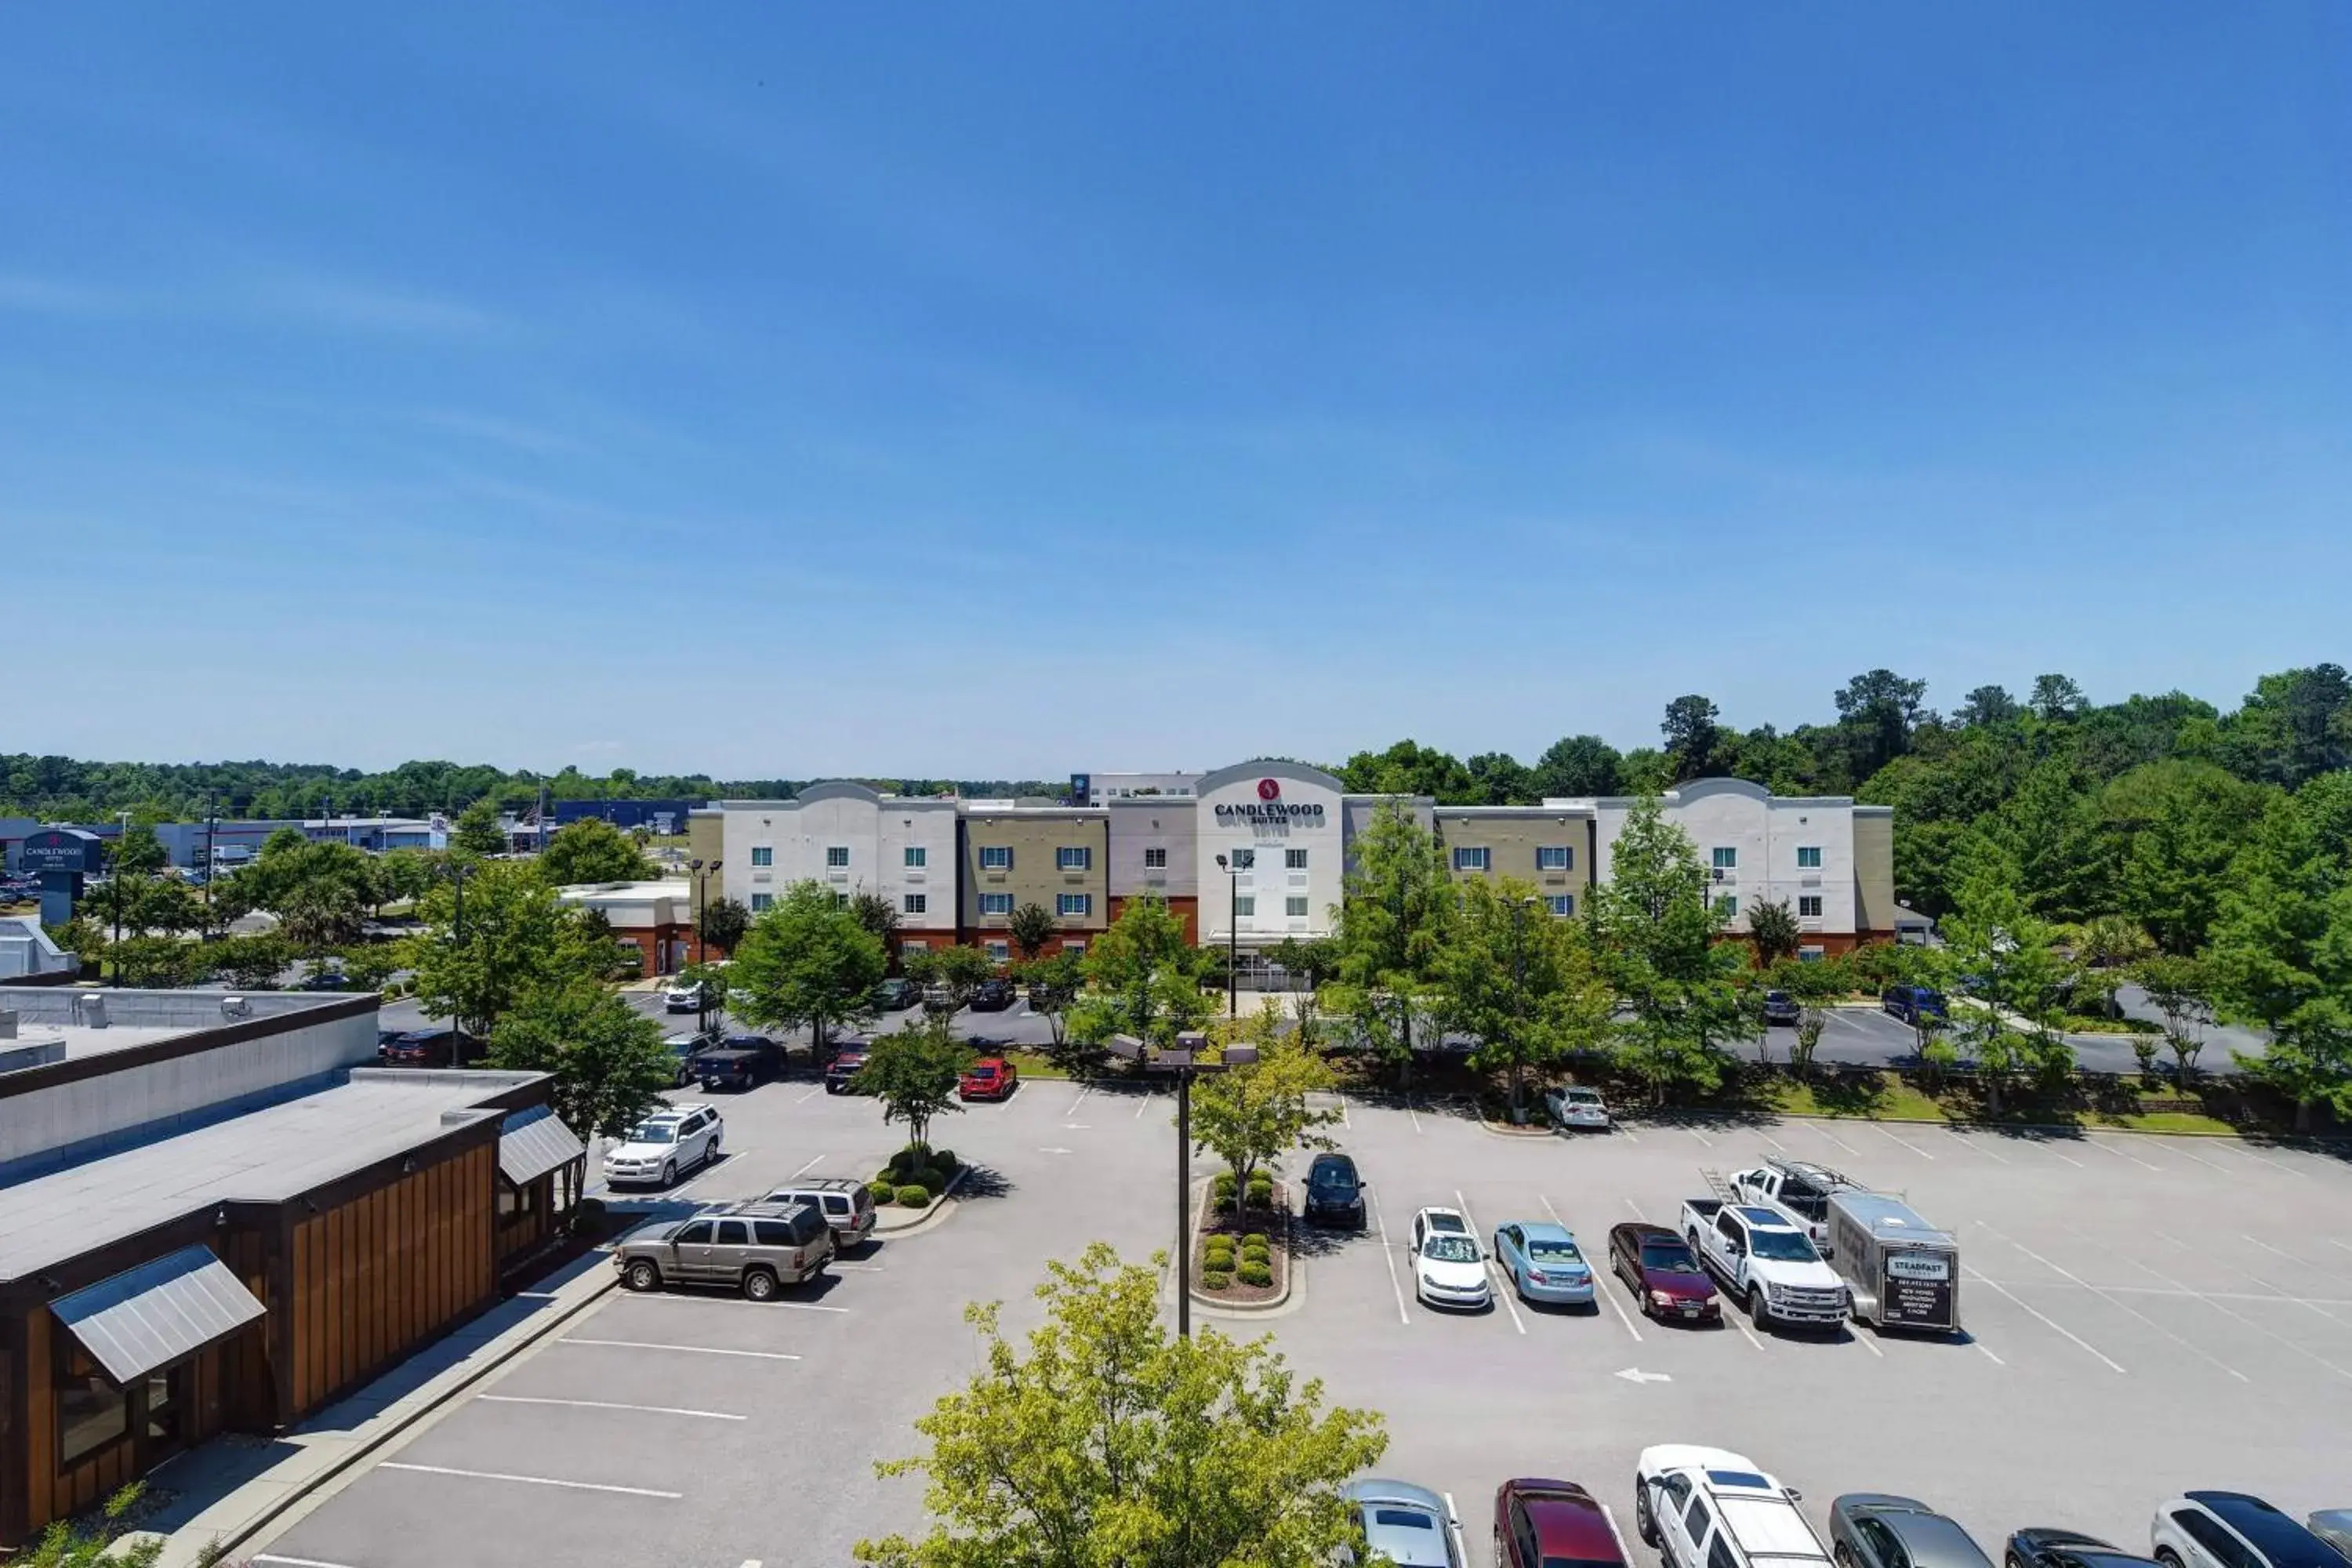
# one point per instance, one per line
(1578, 1107)
(1448, 1268)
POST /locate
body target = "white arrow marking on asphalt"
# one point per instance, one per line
(1052, 1151)
(1635, 1374)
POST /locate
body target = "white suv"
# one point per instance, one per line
(2231, 1529)
(663, 1144)
(1706, 1508)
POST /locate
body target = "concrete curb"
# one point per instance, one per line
(1292, 1269)
(940, 1210)
(2317, 1144)
(274, 1501)
(1505, 1130)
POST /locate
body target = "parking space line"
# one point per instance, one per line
(1772, 1140)
(1454, 1528)
(606, 1405)
(1833, 1138)
(812, 1094)
(528, 1480)
(1622, 1554)
(1631, 1136)
(2345, 1246)
(1600, 1289)
(2068, 1158)
(1862, 1340)
(2308, 1305)
(2120, 1306)
(2213, 1302)
(1989, 1355)
(1388, 1255)
(2274, 1164)
(2192, 1154)
(1142, 1104)
(1343, 1113)
(2118, 1154)
(1969, 1145)
(1411, 1115)
(1089, 1089)
(685, 1349)
(1731, 1315)
(1637, 1211)
(804, 1170)
(2060, 1327)
(2277, 1252)
(1494, 1268)
(1883, 1133)
(1700, 1136)
(291, 1562)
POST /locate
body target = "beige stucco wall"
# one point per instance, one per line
(1033, 836)
(1873, 870)
(1511, 841)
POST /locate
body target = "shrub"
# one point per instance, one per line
(930, 1180)
(882, 1189)
(1215, 1279)
(914, 1197)
(945, 1160)
(1220, 1255)
(1221, 1189)
(1256, 1253)
(1258, 1274)
(1261, 1193)
(588, 1216)
(1257, 1238)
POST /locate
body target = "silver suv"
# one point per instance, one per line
(756, 1248)
(846, 1205)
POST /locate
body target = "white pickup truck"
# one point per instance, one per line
(1796, 1190)
(1706, 1508)
(1766, 1262)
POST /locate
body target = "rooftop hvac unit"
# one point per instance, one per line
(92, 1009)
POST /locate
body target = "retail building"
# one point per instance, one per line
(218, 1215)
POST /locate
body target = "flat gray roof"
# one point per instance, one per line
(267, 1156)
(142, 1017)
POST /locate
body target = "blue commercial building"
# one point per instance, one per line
(664, 817)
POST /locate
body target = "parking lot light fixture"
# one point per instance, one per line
(1189, 1055)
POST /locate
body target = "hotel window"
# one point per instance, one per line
(1155, 859)
(1074, 903)
(996, 903)
(1562, 904)
(1074, 858)
(917, 856)
(763, 855)
(1295, 908)
(916, 903)
(92, 1412)
(998, 951)
(837, 856)
(1293, 859)
(1554, 858)
(1726, 859)
(1809, 908)
(1244, 859)
(1245, 908)
(841, 901)
(761, 903)
(1726, 906)
(1075, 949)
(996, 856)
(1472, 857)
(1809, 857)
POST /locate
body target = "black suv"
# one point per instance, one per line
(740, 1062)
(1335, 1193)
(991, 996)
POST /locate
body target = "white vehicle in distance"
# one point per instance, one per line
(1708, 1507)
(1449, 1269)
(1578, 1108)
(656, 1149)
(690, 996)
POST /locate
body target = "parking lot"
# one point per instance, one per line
(2145, 1315)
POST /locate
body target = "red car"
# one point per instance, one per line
(1542, 1523)
(990, 1078)
(1658, 1266)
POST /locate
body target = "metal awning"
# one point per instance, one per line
(533, 1141)
(150, 1316)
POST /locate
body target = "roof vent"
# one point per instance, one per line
(91, 1008)
(7, 1025)
(236, 1007)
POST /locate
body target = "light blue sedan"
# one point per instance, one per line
(1545, 1263)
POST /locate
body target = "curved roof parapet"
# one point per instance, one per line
(839, 789)
(1268, 767)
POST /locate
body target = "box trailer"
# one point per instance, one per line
(1902, 1272)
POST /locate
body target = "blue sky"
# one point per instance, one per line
(997, 389)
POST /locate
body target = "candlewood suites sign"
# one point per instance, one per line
(1270, 807)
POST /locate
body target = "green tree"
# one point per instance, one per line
(1251, 1116)
(409, 873)
(2056, 699)
(1053, 984)
(914, 1072)
(1408, 768)
(2002, 967)
(2181, 989)
(2050, 834)
(723, 923)
(137, 852)
(1111, 1440)
(252, 963)
(2282, 952)
(806, 963)
(592, 850)
(319, 917)
(1397, 908)
(518, 936)
(2177, 826)
(2292, 727)
(477, 831)
(1143, 978)
(959, 969)
(369, 965)
(1655, 936)
(608, 1060)
(1692, 737)
(1576, 765)
(1772, 929)
(1030, 929)
(1316, 961)
(1500, 779)
(1987, 707)
(1876, 712)
(1520, 983)
(878, 914)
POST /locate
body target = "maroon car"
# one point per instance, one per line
(1664, 1275)
(1542, 1524)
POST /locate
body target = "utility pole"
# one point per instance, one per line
(121, 845)
(458, 872)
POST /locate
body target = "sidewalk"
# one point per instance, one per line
(237, 1487)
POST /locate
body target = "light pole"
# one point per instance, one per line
(121, 844)
(1189, 1054)
(458, 871)
(1233, 936)
(701, 952)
